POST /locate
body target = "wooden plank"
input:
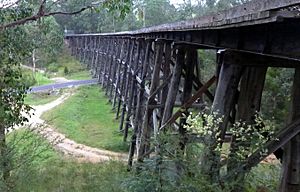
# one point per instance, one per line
(259, 59)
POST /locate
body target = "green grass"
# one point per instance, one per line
(46, 170)
(41, 79)
(68, 67)
(40, 98)
(68, 176)
(80, 75)
(35, 79)
(87, 118)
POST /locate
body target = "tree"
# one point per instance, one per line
(18, 40)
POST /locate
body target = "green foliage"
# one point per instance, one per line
(47, 38)
(276, 95)
(174, 169)
(68, 67)
(25, 150)
(35, 78)
(72, 176)
(66, 70)
(36, 166)
(85, 118)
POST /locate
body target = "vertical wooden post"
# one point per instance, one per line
(119, 69)
(165, 76)
(134, 69)
(223, 103)
(290, 180)
(111, 57)
(146, 128)
(251, 88)
(115, 69)
(105, 62)
(126, 83)
(140, 103)
(174, 85)
(190, 63)
(124, 76)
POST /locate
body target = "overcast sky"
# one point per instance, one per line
(176, 2)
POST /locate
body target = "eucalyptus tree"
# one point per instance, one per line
(24, 25)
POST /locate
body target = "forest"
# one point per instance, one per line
(34, 52)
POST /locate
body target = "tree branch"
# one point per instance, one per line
(39, 15)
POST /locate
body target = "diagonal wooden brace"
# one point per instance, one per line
(189, 102)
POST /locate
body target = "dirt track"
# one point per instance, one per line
(68, 147)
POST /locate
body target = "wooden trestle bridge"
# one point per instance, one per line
(146, 73)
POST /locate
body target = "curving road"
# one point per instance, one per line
(69, 84)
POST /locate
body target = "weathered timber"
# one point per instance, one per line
(189, 103)
(115, 68)
(140, 103)
(249, 101)
(132, 90)
(166, 70)
(119, 69)
(228, 82)
(259, 59)
(290, 181)
(146, 128)
(127, 80)
(129, 47)
(174, 85)
(190, 63)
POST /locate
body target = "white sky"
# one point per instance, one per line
(178, 1)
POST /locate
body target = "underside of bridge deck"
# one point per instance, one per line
(146, 73)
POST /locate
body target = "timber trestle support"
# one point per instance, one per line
(148, 73)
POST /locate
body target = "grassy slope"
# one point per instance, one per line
(86, 117)
(76, 71)
(46, 171)
(40, 98)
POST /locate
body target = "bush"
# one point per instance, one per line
(66, 70)
(28, 78)
(53, 68)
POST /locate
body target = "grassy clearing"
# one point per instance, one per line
(68, 67)
(87, 118)
(40, 98)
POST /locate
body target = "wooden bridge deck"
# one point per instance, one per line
(147, 72)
